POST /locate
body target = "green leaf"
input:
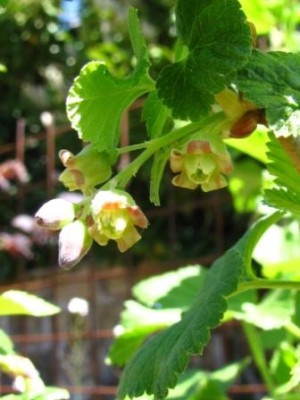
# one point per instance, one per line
(6, 344)
(271, 81)
(49, 393)
(15, 302)
(155, 114)
(283, 199)
(160, 160)
(254, 145)
(286, 177)
(125, 345)
(97, 100)
(175, 289)
(165, 296)
(156, 365)
(2, 66)
(283, 359)
(219, 43)
(3, 3)
(273, 312)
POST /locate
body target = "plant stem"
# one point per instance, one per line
(293, 329)
(152, 146)
(267, 284)
(256, 347)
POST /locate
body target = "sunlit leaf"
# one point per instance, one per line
(6, 344)
(273, 312)
(97, 100)
(15, 302)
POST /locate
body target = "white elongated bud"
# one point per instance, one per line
(73, 244)
(55, 214)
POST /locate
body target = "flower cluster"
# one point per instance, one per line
(202, 163)
(109, 215)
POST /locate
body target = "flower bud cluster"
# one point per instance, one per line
(108, 215)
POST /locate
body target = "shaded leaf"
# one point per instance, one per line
(219, 43)
(271, 81)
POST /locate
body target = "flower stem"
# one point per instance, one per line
(152, 146)
(256, 347)
(267, 284)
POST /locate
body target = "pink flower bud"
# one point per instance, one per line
(74, 242)
(55, 214)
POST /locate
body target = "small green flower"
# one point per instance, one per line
(203, 163)
(115, 216)
(84, 170)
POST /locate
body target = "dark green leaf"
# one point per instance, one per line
(272, 81)
(156, 365)
(219, 43)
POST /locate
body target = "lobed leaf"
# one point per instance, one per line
(97, 100)
(219, 43)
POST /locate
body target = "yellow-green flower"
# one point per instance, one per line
(84, 170)
(115, 216)
(202, 163)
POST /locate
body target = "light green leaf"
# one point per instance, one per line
(15, 302)
(245, 185)
(273, 312)
(135, 312)
(2, 66)
(283, 199)
(49, 393)
(155, 114)
(6, 344)
(271, 81)
(155, 367)
(175, 289)
(254, 145)
(97, 100)
(283, 360)
(219, 43)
